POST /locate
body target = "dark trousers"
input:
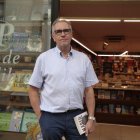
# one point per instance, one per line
(55, 125)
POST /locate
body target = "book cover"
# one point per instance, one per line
(37, 12)
(11, 12)
(24, 13)
(132, 110)
(118, 109)
(34, 43)
(20, 82)
(18, 43)
(127, 95)
(138, 110)
(113, 94)
(120, 95)
(5, 119)
(125, 109)
(111, 108)
(134, 95)
(16, 121)
(101, 94)
(98, 108)
(80, 121)
(107, 94)
(105, 108)
(28, 120)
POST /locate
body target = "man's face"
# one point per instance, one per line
(62, 39)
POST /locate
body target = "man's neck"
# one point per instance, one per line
(65, 50)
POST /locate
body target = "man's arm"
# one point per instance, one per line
(35, 100)
(90, 103)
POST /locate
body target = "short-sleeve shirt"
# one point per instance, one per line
(62, 80)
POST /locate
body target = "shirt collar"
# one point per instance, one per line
(58, 52)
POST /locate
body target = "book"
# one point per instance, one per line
(125, 109)
(107, 94)
(24, 13)
(134, 95)
(138, 110)
(5, 119)
(28, 120)
(34, 43)
(105, 108)
(132, 110)
(111, 108)
(80, 121)
(101, 94)
(113, 94)
(118, 109)
(127, 95)
(11, 12)
(38, 12)
(120, 95)
(16, 121)
(20, 82)
(98, 108)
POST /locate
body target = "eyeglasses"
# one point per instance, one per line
(65, 31)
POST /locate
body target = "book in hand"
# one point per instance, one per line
(80, 121)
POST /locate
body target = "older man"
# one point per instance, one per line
(63, 74)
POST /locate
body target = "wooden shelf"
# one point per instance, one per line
(12, 133)
(16, 103)
(19, 53)
(117, 101)
(118, 118)
(18, 64)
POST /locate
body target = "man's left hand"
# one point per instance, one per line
(90, 127)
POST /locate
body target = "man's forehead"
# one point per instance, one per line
(61, 25)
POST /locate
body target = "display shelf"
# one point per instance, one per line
(117, 118)
(18, 64)
(16, 103)
(117, 101)
(19, 53)
(12, 133)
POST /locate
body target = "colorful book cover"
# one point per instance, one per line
(132, 110)
(118, 109)
(127, 95)
(20, 82)
(125, 109)
(113, 94)
(37, 13)
(134, 95)
(28, 120)
(24, 13)
(11, 12)
(105, 108)
(16, 121)
(34, 43)
(5, 119)
(120, 95)
(99, 108)
(19, 44)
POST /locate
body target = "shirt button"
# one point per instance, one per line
(71, 100)
(71, 90)
(69, 79)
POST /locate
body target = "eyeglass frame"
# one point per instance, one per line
(62, 31)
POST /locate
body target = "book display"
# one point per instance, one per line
(23, 38)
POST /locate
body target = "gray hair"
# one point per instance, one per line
(60, 20)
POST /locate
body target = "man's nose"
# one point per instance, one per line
(63, 34)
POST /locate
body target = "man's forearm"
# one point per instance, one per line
(35, 100)
(90, 100)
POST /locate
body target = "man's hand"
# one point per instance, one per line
(38, 116)
(90, 127)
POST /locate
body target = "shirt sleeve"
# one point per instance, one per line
(36, 79)
(91, 78)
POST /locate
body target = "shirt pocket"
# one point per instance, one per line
(80, 76)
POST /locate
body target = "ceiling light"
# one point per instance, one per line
(131, 20)
(105, 44)
(124, 53)
(96, 20)
(84, 46)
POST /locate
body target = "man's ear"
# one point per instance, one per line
(53, 38)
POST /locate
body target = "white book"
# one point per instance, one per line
(80, 121)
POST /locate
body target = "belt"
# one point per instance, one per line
(70, 111)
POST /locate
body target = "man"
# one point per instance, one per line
(63, 74)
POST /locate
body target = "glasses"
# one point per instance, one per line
(65, 31)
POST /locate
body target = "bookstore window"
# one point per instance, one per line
(24, 29)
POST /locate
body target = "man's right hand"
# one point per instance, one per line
(39, 115)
